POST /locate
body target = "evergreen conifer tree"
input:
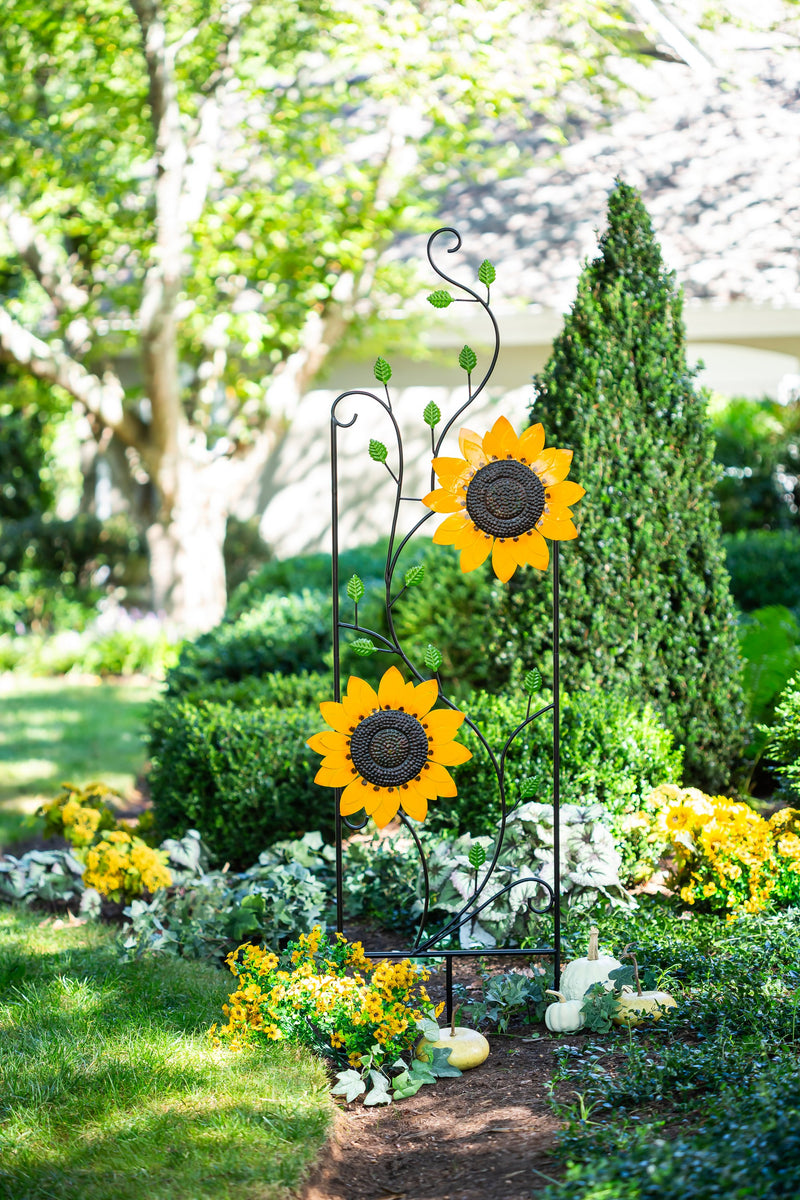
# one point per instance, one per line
(645, 603)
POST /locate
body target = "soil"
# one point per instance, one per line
(487, 1135)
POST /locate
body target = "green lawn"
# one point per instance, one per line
(110, 1089)
(57, 730)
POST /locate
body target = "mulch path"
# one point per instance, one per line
(487, 1135)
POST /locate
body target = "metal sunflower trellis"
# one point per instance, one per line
(388, 749)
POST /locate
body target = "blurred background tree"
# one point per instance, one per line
(196, 200)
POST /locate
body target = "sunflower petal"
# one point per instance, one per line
(558, 512)
(334, 776)
(450, 754)
(442, 500)
(387, 807)
(535, 550)
(361, 698)
(450, 468)
(327, 742)
(391, 689)
(501, 441)
(425, 696)
(553, 466)
(466, 536)
(334, 715)
(476, 552)
(415, 805)
(443, 724)
(471, 446)
(531, 442)
(557, 531)
(567, 492)
(504, 558)
(450, 528)
(441, 779)
(353, 797)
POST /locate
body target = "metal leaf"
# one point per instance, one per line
(364, 647)
(467, 359)
(528, 787)
(486, 272)
(383, 372)
(355, 588)
(414, 575)
(432, 414)
(532, 681)
(433, 657)
(377, 451)
(477, 856)
(440, 299)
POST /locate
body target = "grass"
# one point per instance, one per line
(56, 730)
(110, 1089)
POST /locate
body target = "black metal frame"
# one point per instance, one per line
(425, 947)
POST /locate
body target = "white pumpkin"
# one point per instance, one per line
(564, 1017)
(581, 973)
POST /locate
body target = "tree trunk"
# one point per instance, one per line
(185, 544)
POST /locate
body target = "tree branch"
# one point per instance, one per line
(102, 397)
(43, 259)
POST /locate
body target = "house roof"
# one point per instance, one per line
(716, 156)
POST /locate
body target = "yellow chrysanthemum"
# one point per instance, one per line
(504, 497)
(388, 749)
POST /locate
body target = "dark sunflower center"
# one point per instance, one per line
(389, 748)
(505, 498)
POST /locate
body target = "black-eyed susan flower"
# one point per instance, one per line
(388, 750)
(504, 497)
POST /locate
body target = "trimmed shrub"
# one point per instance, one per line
(646, 605)
(783, 744)
(758, 449)
(306, 571)
(242, 778)
(613, 752)
(283, 633)
(764, 568)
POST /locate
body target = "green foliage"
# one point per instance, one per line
(103, 1047)
(513, 996)
(599, 1008)
(53, 876)
(275, 689)
(53, 572)
(769, 639)
(728, 1051)
(282, 633)
(758, 448)
(783, 742)
(457, 613)
(645, 604)
(764, 567)
(613, 753)
(243, 778)
(310, 572)
(210, 913)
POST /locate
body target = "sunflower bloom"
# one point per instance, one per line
(504, 497)
(388, 750)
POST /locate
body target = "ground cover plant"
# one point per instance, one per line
(111, 1087)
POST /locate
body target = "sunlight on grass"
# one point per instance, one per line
(111, 1089)
(59, 730)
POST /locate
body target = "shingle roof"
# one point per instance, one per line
(717, 160)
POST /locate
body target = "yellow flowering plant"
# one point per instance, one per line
(365, 1016)
(728, 858)
(80, 814)
(121, 866)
